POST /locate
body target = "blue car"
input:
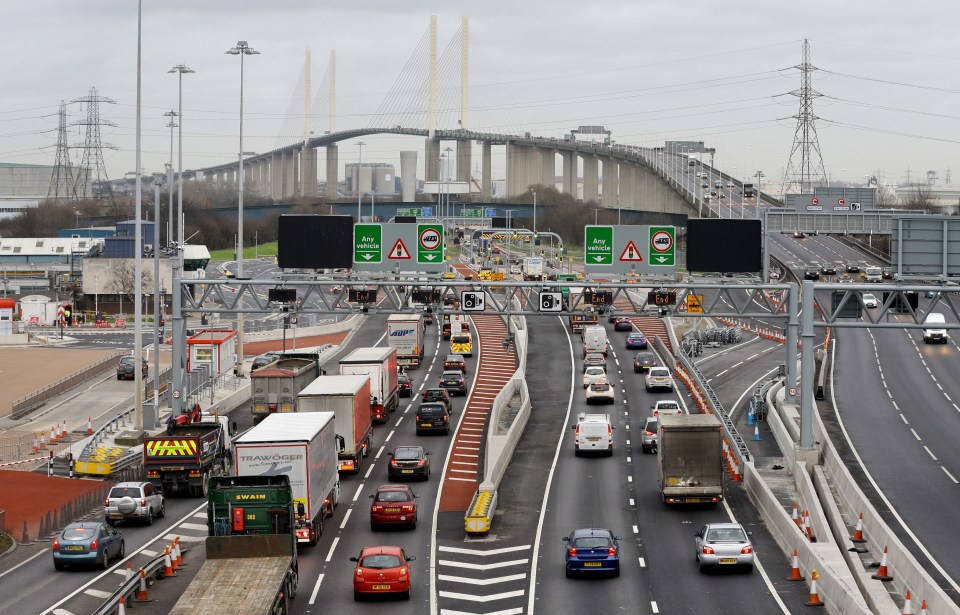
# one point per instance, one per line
(592, 550)
(87, 544)
(636, 341)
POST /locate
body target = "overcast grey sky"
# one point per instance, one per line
(649, 70)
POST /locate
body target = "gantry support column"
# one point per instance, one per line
(464, 159)
(569, 166)
(431, 159)
(276, 177)
(590, 178)
(548, 168)
(611, 181)
(333, 172)
(486, 168)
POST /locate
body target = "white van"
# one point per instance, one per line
(593, 433)
(873, 274)
(933, 333)
(595, 340)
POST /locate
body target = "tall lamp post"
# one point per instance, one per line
(359, 194)
(138, 250)
(173, 124)
(242, 49)
(180, 69)
(533, 240)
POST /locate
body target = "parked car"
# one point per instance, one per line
(648, 439)
(87, 543)
(139, 500)
(644, 361)
(595, 359)
(636, 340)
(431, 417)
(600, 393)
(455, 361)
(454, 382)
(723, 544)
(382, 570)
(659, 378)
(409, 462)
(592, 550)
(622, 323)
(439, 395)
(393, 505)
(127, 364)
(404, 385)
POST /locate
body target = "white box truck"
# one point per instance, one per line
(304, 448)
(380, 364)
(405, 333)
(533, 268)
(348, 397)
(690, 456)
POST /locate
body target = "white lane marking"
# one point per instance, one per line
(357, 494)
(343, 523)
(654, 607)
(915, 434)
(333, 547)
(389, 435)
(643, 562)
(929, 452)
(482, 552)
(632, 503)
(369, 470)
(629, 459)
(316, 588)
(722, 373)
(947, 472)
(380, 452)
(629, 479)
(636, 530)
(904, 419)
(493, 566)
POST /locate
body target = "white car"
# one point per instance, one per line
(729, 184)
(870, 300)
(515, 269)
(600, 393)
(659, 378)
(666, 406)
(593, 374)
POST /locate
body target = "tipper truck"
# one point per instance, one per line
(251, 564)
(304, 448)
(274, 386)
(405, 333)
(380, 364)
(348, 397)
(188, 454)
(690, 454)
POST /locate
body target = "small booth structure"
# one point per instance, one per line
(7, 306)
(214, 348)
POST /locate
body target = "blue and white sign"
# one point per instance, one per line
(491, 212)
(426, 212)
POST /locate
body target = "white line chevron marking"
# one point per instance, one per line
(484, 553)
(490, 581)
(513, 562)
(472, 598)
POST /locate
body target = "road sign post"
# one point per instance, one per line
(367, 243)
(598, 245)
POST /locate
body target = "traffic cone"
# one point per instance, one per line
(882, 574)
(64, 434)
(167, 565)
(756, 432)
(796, 519)
(123, 606)
(814, 599)
(178, 551)
(173, 556)
(858, 533)
(36, 445)
(43, 443)
(907, 607)
(89, 426)
(795, 570)
(750, 415)
(142, 592)
(806, 526)
(923, 607)
(54, 434)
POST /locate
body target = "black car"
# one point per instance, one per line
(622, 323)
(454, 382)
(264, 359)
(887, 273)
(644, 361)
(404, 385)
(126, 366)
(853, 267)
(828, 269)
(432, 417)
(440, 395)
(409, 462)
(455, 361)
(811, 272)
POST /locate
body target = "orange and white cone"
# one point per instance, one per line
(129, 572)
(167, 565)
(89, 426)
(795, 569)
(814, 599)
(907, 606)
(796, 519)
(63, 431)
(858, 533)
(177, 551)
(882, 574)
(173, 556)
(923, 607)
(55, 434)
(806, 525)
(122, 607)
(142, 592)
(43, 443)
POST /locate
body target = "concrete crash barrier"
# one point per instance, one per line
(479, 516)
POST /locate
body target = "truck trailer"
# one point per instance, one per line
(690, 457)
(251, 550)
(405, 333)
(304, 448)
(274, 387)
(348, 397)
(380, 365)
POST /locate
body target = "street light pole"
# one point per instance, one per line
(533, 240)
(137, 242)
(359, 166)
(180, 69)
(242, 49)
(173, 124)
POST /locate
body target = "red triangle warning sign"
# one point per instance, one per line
(631, 253)
(399, 251)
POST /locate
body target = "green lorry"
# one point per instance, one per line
(251, 549)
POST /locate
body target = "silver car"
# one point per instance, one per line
(648, 439)
(659, 378)
(134, 500)
(723, 544)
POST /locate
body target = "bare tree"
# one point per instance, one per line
(123, 281)
(918, 200)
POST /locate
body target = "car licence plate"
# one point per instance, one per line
(593, 564)
(381, 586)
(426, 424)
(452, 382)
(75, 548)
(728, 560)
(406, 471)
(115, 516)
(593, 439)
(391, 510)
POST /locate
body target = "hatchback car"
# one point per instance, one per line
(404, 385)
(134, 500)
(659, 378)
(665, 406)
(622, 323)
(126, 365)
(644, 361)
(636, 341)
(886, 273)
(432, 417)
(409, 462)
(723, 544)
(87, 544)
(870, 300)
(382, 570)
(393, 505)
(595, 359)
(454, 382)
(592, 550)
(455, 361)
(811, 272)
(600, 393)
(594, 374)
(439, 395)
(648, 438)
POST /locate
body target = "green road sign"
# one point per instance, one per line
(367, 243)
(429, 243)
(598, 245)
(662, 246)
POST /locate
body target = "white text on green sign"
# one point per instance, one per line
(367, 240)
(598, 245)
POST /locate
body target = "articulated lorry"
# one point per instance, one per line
(274, 387)
(405, 333)
(348, 397)
(251, 564)
(690, 456)
(304, 448)
(380, 365)
(189, 453)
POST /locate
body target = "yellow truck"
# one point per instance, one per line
(461, 343)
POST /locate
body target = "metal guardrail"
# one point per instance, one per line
(28, 403)
(99, 436)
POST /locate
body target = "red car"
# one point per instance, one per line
(381, 570)
(393, 505)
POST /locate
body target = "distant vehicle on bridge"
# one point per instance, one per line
(748, 191)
